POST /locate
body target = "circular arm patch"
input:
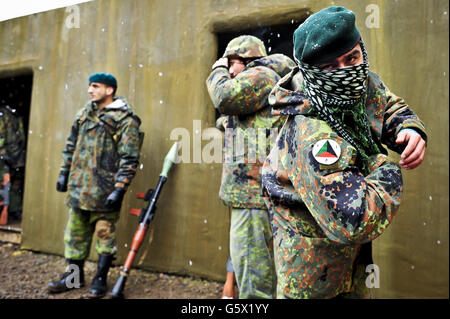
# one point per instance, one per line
(326, 151)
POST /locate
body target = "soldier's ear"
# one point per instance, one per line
(110, 90)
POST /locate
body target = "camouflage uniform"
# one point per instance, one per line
(244, 100)
(12, 153)
(323, 215)
(101, 153)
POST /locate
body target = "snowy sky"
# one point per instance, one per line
(18, 8)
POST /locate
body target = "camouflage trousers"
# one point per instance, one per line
(81, 227)
(251, 251)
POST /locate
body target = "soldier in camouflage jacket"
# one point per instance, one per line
(240, 92)
(12, 157)
(99, 163)
(329, 195)
(101, 154)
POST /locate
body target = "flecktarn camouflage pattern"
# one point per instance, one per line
(12, 137)
(101, 153)
(252, 253)
(324, 216)
(12, 152)
(244, 100)
(249, 129)
(81, 227)
(245, 46)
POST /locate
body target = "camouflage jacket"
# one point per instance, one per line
(12, 138)
(248, 127)
(101, 153)
(322, 215)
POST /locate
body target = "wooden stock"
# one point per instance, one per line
(137, 241)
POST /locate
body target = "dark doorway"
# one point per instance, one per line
(276, 38)
(15, 100)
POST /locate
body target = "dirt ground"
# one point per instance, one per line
(25, 274)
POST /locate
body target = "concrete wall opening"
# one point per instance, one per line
(276, 38)
(15, 100)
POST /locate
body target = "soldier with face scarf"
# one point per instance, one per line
(328, 184)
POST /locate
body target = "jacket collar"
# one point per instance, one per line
(287, 97)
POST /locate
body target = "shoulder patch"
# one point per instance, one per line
(326, 151)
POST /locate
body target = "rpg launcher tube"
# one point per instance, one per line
(117, 291)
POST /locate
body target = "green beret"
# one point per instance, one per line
(104, 78)
(326, 35)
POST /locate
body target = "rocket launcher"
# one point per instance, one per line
(145, 217)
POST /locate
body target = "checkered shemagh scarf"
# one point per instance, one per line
(338, 96)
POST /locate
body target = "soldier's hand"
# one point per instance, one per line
(221, 122)
(414, 152)
(61, 184)
(221, 62)
(114, 199)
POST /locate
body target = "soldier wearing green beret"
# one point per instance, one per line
(328, 183)
(239, 85)
(99, 163)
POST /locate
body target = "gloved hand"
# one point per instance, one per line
(61, 184)
(7, 160)
(114, 199)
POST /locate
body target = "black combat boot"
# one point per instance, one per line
(98, 286)
(61, 285)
